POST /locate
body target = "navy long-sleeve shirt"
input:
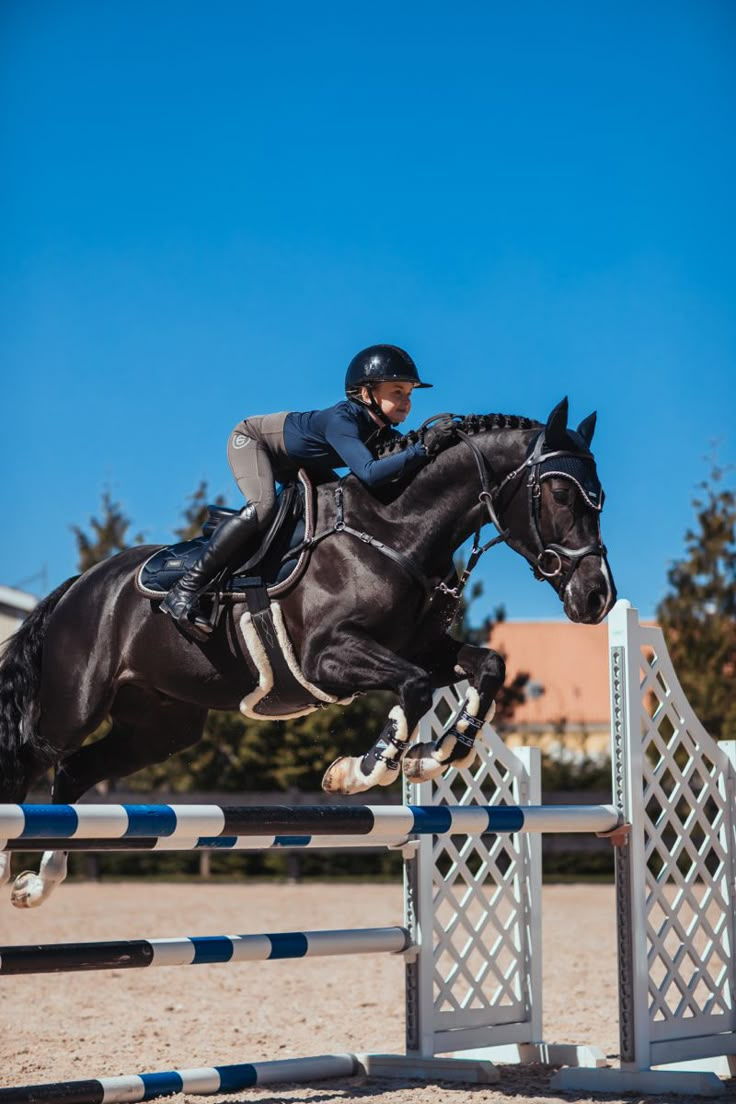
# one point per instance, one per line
(336, 437)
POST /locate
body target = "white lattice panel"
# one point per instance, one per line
(677, 789)
(688, 897)
(482, 893)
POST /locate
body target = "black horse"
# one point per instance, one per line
(370, 612)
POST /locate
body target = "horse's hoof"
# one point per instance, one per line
(344, 776)
(27, 890)
(419, 765)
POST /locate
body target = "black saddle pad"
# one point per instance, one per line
(269, 561)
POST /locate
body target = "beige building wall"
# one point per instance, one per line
(15, 605)
(568, 663)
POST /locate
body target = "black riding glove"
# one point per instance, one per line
(440, 436)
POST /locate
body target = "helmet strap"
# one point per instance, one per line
(373, 406)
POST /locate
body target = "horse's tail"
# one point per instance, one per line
(21, 746)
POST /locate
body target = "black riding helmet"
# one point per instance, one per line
(379, 364)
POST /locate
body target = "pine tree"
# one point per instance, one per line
(109, 534)
(698, 616)
(195, 512)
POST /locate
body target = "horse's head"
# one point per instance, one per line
(550, 505)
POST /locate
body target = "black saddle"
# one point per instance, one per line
(264, 563)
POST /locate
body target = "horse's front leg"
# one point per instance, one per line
(452, 661)
(355, 662)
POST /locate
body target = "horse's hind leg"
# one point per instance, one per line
(68, 714)
(31, 889)
(147, 728)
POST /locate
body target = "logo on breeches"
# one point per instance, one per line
(240, 440)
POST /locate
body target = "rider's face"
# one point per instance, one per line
(394, 399)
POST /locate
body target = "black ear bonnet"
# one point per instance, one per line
(581, 471)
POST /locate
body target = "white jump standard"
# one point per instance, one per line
(471, 939)
(496, 817)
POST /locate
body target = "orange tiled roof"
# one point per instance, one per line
(571, 663)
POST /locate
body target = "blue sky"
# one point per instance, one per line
(205, 210)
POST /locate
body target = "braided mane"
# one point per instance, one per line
(469, 423)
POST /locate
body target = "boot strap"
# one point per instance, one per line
(400, 745)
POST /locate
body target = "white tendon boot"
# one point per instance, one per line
(349, 774)
(455, 747)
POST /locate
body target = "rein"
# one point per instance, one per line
(549, 560)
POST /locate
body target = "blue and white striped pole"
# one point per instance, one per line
(199, 1082)
(128, 954)
(47, 827)
(201, 843)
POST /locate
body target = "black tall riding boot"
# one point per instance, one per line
(229, 537)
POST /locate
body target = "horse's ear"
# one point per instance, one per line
(555, 433)
(586, 429)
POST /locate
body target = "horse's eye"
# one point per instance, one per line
(562, 495)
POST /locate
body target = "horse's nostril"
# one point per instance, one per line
(596, 602)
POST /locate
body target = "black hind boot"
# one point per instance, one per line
(229, 537)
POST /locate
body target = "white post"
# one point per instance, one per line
(628, 798)
(674, 879)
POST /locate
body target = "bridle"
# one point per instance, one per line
(550, 557)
